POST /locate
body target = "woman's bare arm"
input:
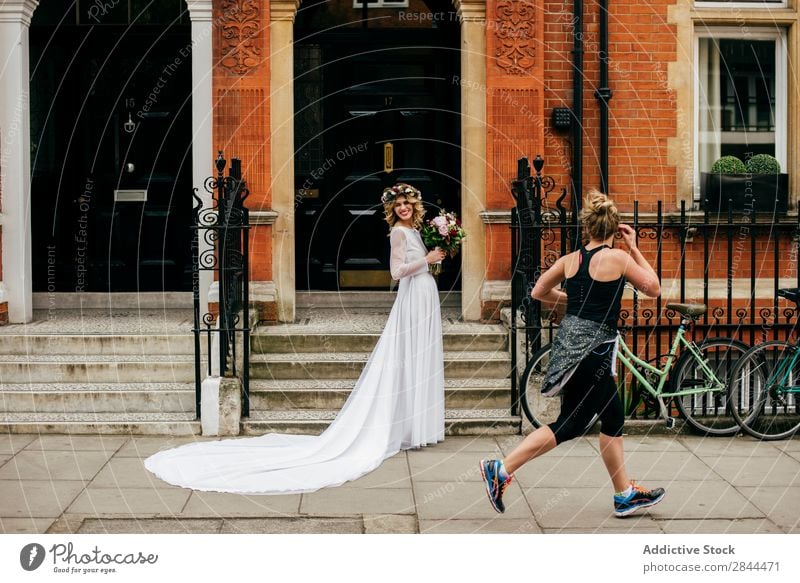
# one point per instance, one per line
(545, 289)
(635, 267)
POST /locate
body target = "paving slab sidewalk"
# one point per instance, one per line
(98, 484)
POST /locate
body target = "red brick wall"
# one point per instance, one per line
(241, 111)
(642, 113)
(642, 119)
(515, 87)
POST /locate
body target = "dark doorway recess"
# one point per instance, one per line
(111, 135)
(357, 89)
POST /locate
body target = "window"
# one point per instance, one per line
(381, 4)
(740, 96)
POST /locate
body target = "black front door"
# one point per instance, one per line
(111, 163)
(370, 112)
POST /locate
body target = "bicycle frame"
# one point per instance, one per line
(631, 362)
(785, 366)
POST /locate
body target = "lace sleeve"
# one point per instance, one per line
(397, 264)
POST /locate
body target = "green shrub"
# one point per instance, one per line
(763, 164)
(729, 165)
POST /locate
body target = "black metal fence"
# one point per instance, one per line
(222, 229)
(734, 263)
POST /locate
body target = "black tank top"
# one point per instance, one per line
(598, 301)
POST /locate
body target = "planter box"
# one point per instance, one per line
(761, 193)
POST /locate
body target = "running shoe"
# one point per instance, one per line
(490, 470)
(638, 498)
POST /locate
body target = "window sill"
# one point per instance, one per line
(742, 11)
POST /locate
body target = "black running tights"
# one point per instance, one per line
(591, 390)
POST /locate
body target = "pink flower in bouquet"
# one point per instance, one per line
(441, 225)
(445, 232)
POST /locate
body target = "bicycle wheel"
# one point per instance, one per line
(707, 411)
(757, 400)
(540, 410)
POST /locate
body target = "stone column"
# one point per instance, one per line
(15, 162)
(200, 13)
(472, 15)
(282, 13)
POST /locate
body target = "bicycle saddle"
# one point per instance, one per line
(792, 294)
(688, 309)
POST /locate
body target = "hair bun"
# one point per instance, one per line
(605, 206)
(598, 202)
(599, 215)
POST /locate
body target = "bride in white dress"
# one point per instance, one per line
(397, 402)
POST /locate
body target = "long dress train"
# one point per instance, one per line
(397, 403)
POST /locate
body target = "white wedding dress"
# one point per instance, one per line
(397, 403)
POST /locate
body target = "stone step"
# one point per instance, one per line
(159, 303)
(492, 422)
(269, 341)
(97, 397)
(180, 397)
(261, 342)
(457, 422)
(282, 395)
(128, 368)
(63, 317)
(101, 423)
(363, 299)
(348, 365)
(89, 345)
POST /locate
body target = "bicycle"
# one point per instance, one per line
(766, 382)
(698, 383)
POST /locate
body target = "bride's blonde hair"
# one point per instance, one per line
(413, 195)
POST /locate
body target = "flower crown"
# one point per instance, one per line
(401, 188)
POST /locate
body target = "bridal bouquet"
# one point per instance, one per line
(444, 232)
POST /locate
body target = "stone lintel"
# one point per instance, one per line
(263, 217)
(496, 217)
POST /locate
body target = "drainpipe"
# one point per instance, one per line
(577, 106)
(603, 96)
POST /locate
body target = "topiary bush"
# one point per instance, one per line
(729, 165)
(763, 164)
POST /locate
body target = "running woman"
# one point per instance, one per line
(583, 356)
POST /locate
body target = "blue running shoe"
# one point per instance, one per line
(495, 486)
(638, 498)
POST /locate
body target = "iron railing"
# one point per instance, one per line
(734, 263)
(223, 229)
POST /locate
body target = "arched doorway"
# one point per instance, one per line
(111, 135)
(376, 102)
